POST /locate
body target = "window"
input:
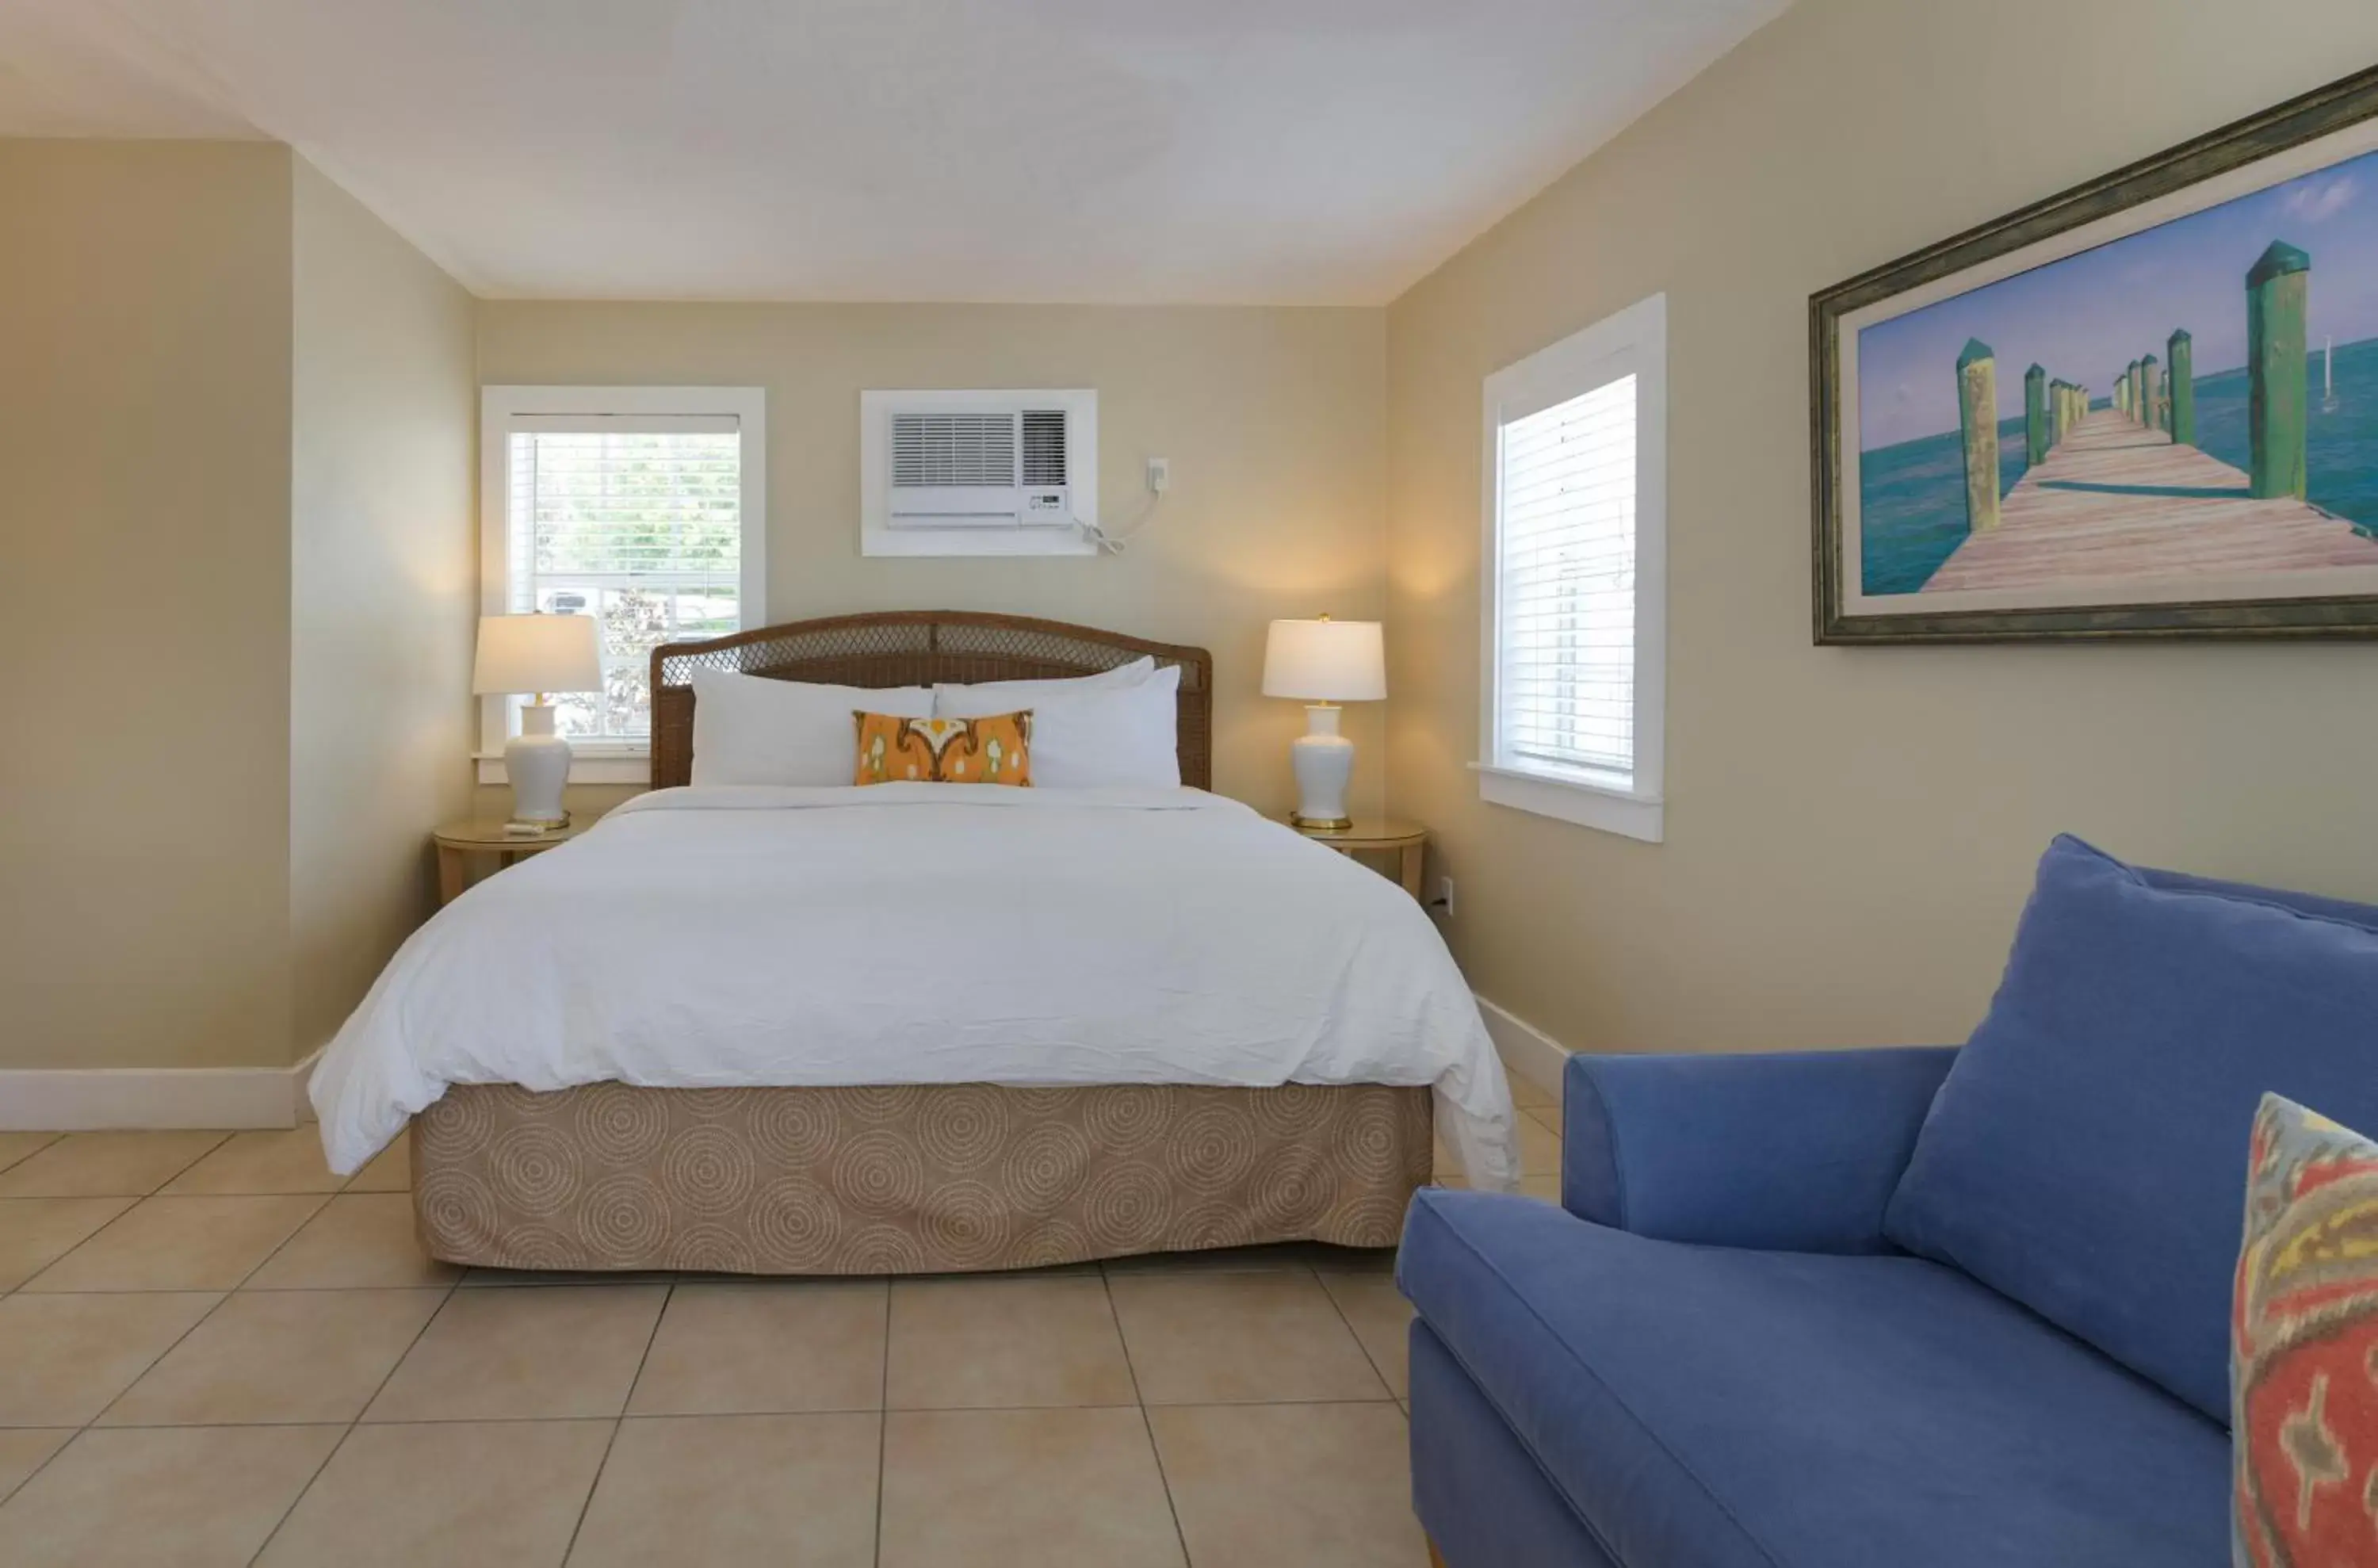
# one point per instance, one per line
(640, 506)
(1574, 575)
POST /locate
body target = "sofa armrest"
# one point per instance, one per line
(1791, 1152)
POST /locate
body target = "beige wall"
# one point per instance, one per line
(238, 424)
(206, 848)
(144, 431)
(385, 592)
(1274, 421)
(1850, 831)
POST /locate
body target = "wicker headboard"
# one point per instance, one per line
(917, 647)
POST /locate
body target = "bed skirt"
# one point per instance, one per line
(907, 1180)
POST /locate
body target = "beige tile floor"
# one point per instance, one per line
(213, 1351)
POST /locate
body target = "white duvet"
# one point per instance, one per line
(922, 933)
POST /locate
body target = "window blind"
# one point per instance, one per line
(637, 522)
(1566, 622)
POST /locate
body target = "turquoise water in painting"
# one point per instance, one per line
(1912, 496)
(1912, 505)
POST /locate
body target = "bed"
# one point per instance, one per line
(916, 1027)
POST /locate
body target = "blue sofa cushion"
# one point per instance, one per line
(1731, 1409)
(2086, 1154)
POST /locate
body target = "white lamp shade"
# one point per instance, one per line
(536, 653)
(1326, 661)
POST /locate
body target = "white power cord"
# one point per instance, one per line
(1159, 479)
(1115, 544)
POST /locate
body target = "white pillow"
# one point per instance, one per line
(1090, 739)
(1022, 693)
(750, 730)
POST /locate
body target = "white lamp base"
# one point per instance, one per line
(1324, 765)
(537, 762)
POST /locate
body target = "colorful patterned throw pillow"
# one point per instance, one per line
(996, 749)
(2303, 1346)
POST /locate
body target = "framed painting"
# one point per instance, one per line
(2147, 407)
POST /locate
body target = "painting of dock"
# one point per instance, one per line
(2120, 500)
(2177, 410)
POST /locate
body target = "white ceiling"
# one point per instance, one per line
(1085, 150)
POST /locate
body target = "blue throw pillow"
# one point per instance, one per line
(2086, 1153)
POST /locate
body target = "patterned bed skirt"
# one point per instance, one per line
(907, 1180)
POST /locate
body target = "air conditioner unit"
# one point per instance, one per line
(978, 473)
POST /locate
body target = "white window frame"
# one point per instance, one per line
(608, 762)
(1634, 342)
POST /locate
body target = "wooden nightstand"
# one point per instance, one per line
(459, 843)
(1407, 841)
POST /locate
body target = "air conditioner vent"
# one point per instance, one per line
(961, 449)
(1044, 446)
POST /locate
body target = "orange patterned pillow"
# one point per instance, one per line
(2303, 1345)
(992, 750)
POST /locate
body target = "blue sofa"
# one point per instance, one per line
(1879, 1308)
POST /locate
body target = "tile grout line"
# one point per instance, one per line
(595, 1482)
(728, 1414)
(357, 1421)
(196, 1324)
(152, 1366)
(12, 1165)
(245, 1289)
(315, 1212)
(704, 1415)
(298, 1230)
(883, 1423)
(176, 1174)
(221, 1297)
(1335, 1306)
(44, 1465)
(109, 1223)
(159, 1192)
(328, 1454)
(229, 1138)
(1147, 1424)
(221, 1140)
(747, 1281)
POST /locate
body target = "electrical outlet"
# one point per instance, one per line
(1444, 895)
(1159, 474)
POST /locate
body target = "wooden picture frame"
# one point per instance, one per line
(2115, 525)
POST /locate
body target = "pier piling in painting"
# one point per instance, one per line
(2035, 414)
(2278, 293)
(1977, 417)
(2180, 353)
(2151, 413)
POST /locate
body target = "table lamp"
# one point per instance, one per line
(531, 656)
(1325, 662)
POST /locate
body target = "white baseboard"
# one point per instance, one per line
(1525, 1049)
(301, 1083)
(108, 1099)
(116, 1099)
